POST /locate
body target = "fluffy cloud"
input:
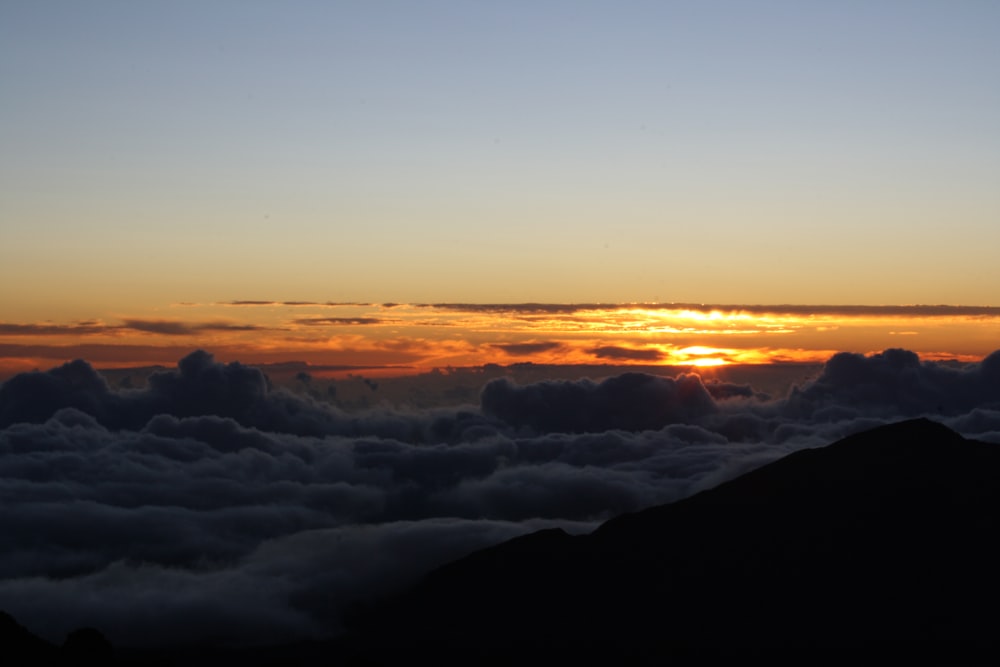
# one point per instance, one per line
(896, 382)
(633, 401)
(210, 505)
(296, 586)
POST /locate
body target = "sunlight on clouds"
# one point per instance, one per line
(408, 338)
(701, 356)
(699, 350)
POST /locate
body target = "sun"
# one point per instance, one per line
(708, 362)
(702, 356)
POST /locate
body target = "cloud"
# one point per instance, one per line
(251, 302)
(633, 401)
(162, 327)
(917, 310)
(527, 349)
(77, 329)
(199, 386)
(97, 352)
(617, 353)
(33, 397)
(521, 308)
(728, 390)
(211, 506)
(179, 328)
(320, 321)
(897, 382)
(296, 586)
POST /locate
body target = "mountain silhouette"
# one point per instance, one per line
(83, 647)
(18, 642)
(879, 547)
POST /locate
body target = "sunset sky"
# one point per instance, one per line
(663, 205)
(355, 183)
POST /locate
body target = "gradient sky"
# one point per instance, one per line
(556, 152)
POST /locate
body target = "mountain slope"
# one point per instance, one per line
(877, 547)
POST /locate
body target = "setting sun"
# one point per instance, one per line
(709, 361)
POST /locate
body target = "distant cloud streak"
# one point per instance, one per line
(322, 304)
(77, 329)
(917, 310)
(339, 321)
(528, 349)
(178, 328)
(618, 353)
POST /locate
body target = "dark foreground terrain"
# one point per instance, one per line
(878, 548)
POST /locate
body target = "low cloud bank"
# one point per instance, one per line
(211, 506)
(631, 402)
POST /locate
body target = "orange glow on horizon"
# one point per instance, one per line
(404, 339)
(709, 361)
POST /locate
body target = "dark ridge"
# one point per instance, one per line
(83, 647)
(875, 549)
(16, 640)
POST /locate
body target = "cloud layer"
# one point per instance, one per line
(211, 506)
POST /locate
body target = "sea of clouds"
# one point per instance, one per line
(211, 507)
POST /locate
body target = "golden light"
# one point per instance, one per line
(702, 356)
(701, 350)
(413, 338)
(708, 362)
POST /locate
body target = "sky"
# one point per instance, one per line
(164, 161)
(470, 152)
